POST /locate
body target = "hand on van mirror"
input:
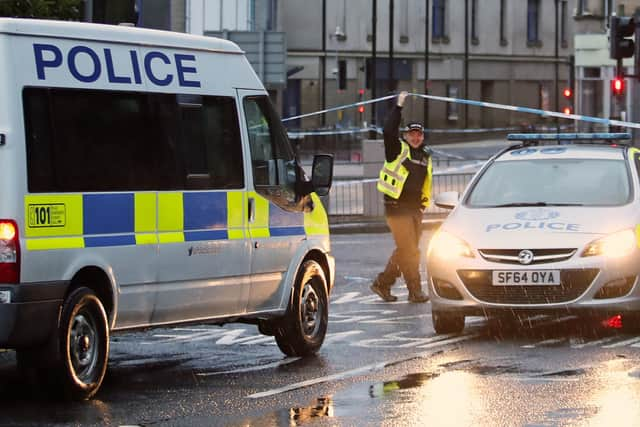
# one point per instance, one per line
(322, 173)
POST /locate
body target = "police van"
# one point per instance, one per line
(145, 180)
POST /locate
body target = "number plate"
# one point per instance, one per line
(526, 277)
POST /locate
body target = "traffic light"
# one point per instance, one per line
(567, 93)
(361, 107)
(620, 28)
(617, 86)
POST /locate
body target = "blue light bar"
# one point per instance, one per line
(567, 136)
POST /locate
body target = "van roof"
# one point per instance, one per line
(114, 33)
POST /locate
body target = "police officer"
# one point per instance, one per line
(405, 181)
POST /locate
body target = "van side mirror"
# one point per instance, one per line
(322, 173)
(447, 200)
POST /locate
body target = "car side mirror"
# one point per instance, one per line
(322, 173)
(447, 200)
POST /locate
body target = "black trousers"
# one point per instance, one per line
(405, 259)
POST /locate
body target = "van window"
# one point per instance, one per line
(88, 140)
(271, 154)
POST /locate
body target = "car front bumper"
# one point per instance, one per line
(588, 285)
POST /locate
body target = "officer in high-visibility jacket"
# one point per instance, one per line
(405, 181)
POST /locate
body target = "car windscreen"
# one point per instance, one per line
(565, 182)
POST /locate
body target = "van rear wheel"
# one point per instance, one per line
(302, 330)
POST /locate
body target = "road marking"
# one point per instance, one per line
(593, 343)
(338, 376)
(622, 343)
(252, 368)
(544, 343)
(396, 320)
(399, 340)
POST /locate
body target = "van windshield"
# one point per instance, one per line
(564, 182)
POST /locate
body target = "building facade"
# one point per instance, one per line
(506, 54)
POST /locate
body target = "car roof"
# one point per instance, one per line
(563, 151)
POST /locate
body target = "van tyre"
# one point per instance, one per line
(302, 330)
(447, 323)
(83, 345)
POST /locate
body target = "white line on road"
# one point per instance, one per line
(351, 373)
(252, 368)
(545, 342)
(594, 343)
(623, 343)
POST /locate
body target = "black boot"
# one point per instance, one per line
(383, 291)
(415, 292)
(418, 297)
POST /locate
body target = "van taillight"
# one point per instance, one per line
(9, 252)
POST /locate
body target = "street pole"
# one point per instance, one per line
(557, 71)
(323, 64)
(466, 62)
(390, 83)
(374, 62)
(426, 65)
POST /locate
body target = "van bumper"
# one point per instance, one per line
(31, 316)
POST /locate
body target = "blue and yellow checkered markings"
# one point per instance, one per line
(205, 216)
(121, 219)
(316, 221)
(285, 223)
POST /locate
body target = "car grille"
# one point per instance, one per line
(540, 256)
(573, 283)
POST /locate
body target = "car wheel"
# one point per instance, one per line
(83, 345)
(302, 330)
(447, 323)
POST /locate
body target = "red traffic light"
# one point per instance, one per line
(361, 92)
(361, 109)
(566, 110)
(567, 92)
(617, 85)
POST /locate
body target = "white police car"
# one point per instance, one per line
(541, 228)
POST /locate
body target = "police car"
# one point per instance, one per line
(541, 228)
(145, 180)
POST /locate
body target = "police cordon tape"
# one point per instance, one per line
(536, 111)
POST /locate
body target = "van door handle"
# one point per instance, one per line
(252, 210)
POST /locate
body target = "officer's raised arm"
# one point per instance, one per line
(391, 125)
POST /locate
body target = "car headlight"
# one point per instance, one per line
(616, 245)
(445, 245)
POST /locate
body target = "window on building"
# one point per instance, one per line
(503, 22)
(272, 15)
(533, 22)
(404, 16)
(90, 140)
(438, 30)
(475, 39)
(452, 107)
(563, 24)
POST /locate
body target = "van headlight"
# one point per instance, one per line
(445, 245)
(616, 245)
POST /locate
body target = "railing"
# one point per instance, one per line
(359, 200)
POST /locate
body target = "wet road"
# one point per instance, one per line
(381, 364)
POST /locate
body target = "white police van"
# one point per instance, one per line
(146, 180)
(542, 229)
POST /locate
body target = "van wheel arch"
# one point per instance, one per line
(96, 279)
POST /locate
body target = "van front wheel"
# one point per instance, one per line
(302, 330)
